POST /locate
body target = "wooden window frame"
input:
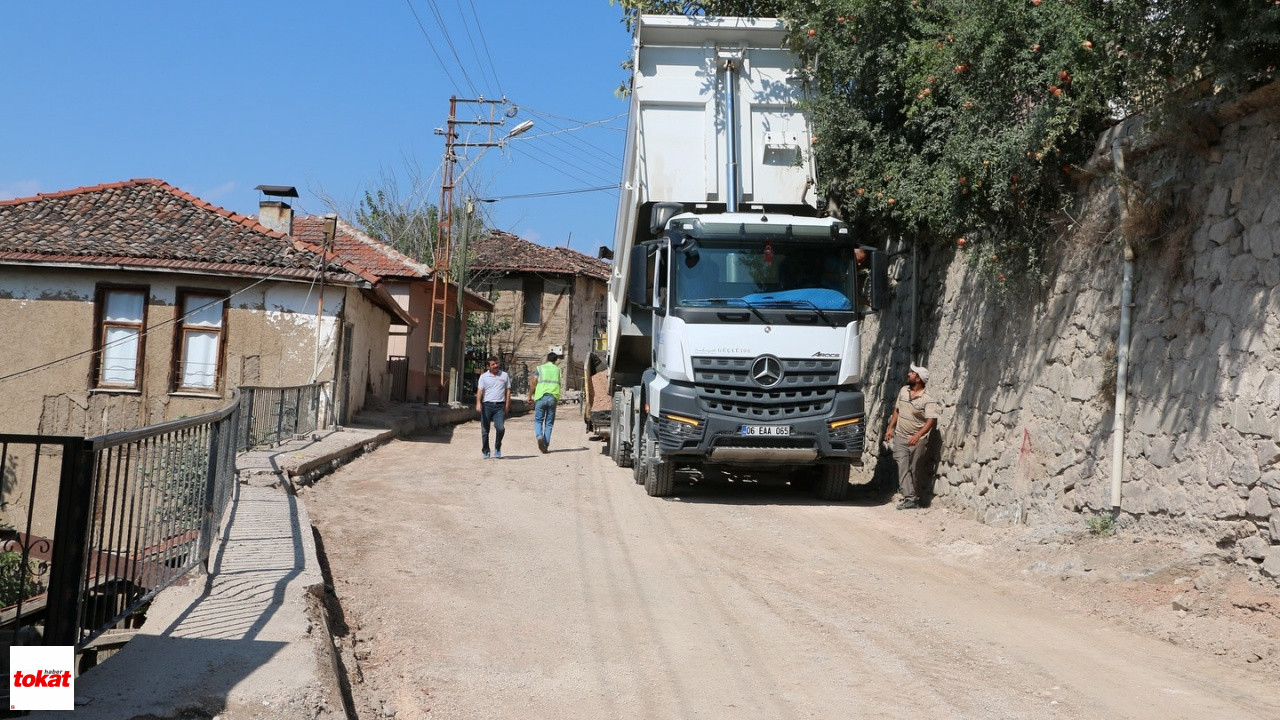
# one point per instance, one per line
(100, 326)
(180, 330)
(526, 296)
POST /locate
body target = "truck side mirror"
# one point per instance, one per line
(638, 277)
(879, 279)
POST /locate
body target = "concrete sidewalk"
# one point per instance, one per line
(250, 639)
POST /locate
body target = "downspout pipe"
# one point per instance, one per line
(1122, 339)
(730, 64)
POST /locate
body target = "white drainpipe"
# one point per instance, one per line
(1122, 341)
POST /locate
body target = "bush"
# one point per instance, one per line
(16, 580)
(942, 119)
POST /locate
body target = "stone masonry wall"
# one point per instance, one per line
(1027, 380)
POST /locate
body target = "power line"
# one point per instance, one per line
(432, 45)
(444, 32)
(553, 193)
(563, 161)
(493, 69)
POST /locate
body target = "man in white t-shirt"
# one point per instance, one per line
(493, 402)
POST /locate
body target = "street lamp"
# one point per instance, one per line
(443, 261)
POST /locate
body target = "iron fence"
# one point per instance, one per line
(273, 415)
(113, 520)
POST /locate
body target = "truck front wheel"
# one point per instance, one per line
(833, 482)
(660, 481)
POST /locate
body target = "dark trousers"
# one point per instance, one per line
(492, 412)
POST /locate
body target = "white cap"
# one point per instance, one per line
(923, 372)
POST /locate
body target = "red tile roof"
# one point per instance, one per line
(148, 223)
(355, 247)
(506, 252)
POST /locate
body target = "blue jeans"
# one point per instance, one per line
(492, 412)
(544, 416)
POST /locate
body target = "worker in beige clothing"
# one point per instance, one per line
(915, 414)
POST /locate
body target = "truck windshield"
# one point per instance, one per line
(818, 276)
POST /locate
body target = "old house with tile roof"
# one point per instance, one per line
(420, 367)
(554, 297)
(132, 303)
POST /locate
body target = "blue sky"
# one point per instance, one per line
(330, 97)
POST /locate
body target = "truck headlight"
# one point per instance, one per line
(846, 430)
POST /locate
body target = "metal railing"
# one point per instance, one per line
(273, 415)
(134, 511)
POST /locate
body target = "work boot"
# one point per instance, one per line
(909, 503)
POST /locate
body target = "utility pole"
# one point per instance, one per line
(443, 272)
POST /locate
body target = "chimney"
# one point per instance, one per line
(276, 214)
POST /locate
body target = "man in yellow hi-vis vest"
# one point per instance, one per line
(546, 394)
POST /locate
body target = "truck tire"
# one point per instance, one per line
(615, 430)
(642, 450)
(660, 481)
(833, 482)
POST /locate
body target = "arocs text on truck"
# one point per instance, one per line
(734, 307)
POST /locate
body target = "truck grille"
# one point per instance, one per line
(807, 388)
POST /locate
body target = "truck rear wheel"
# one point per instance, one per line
(833, 482)
(642, 450)
(660, 481)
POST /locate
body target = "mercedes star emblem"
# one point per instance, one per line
(766, 371)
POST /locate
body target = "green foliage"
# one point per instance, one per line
(412, 225)
(482, 326)
(16, 581)
(409, 228)
(942, 119)
(1102, 524)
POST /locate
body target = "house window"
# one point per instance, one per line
(532, 301)
(121, 316)
(199, 341)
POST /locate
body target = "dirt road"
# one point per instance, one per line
(551, 586)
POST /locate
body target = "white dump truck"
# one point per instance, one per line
(735, 307)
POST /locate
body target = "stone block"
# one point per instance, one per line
(1219, 202)
(1271, 216)
(1218, 466)
(1244, 268)
(1271, 563)
(1249, 419)
(1084, 388)
(1258, 505)
(1260, 239)
(1268, 452)
(1253, 547)
(1226, 507)
(1160, 452)
(1177, 503)
(1133, 497)
(1157, 499)
(1224, 230)
(1200, 240)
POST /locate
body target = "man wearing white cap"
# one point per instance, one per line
(915, 414)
